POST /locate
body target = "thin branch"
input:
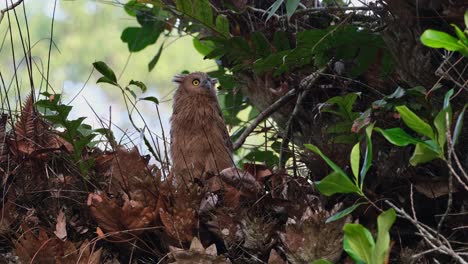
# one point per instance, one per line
(304, 87)
(264, 115)
(436, 241)
(450, 179)
(9, 8)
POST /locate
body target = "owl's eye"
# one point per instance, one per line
(196, 82)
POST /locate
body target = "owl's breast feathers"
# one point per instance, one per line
(199, 138)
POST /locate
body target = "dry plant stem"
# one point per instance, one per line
(264, 115)
(8, 8)
(435, 240)
(304, 87)
(450, 179)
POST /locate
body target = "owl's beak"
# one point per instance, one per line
(207, 84)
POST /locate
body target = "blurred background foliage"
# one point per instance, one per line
(85, 32)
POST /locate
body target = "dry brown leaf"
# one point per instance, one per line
(61, 226)
(40, 248)
(123, 222)
(309, 238)
(8, 211)
(197, 254)
(275, 258)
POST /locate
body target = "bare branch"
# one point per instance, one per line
(264, 115)
(304, 86)
(8, 8)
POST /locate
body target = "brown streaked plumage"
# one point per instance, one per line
(199, 139)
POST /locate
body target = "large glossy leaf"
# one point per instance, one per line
(398, 136)
(355, 159)
(336, 183)
(414, 122)
(382, 245)
(440, 123)
(422, 154)
(460, 34)
(438, 39)
(358, 243)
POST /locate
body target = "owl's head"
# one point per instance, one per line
(196, 82)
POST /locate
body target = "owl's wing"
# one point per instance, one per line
(225, 134)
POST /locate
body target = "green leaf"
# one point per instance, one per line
(132, 7)
(358, 243)
(184, 6)
(155, 59)
(131, 92)
(422, 154)
(398, 136)
(414, 122)
(104, 79)
(466, 20)
(105, 70)
(261, 44)
(281, 41)
(273, 8)
(447, 97)
(151, 99)
(203, 11)
(222, 25)
(460, 34)
(438, 39)
(291, 6)
(139, 84)
(355, 159)
(138, 38)
(440, 122)
(204, 47)
(459, 123)
(368, 155)
(336, 183)
(330, 163)
(382, 245)
(344, 212)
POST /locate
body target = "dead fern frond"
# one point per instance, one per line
(25, 126)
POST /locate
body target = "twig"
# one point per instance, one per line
(8, 8)
(436, 241)
(450, 179)
(304, 87)
(264, 115)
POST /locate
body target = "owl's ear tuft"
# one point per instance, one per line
(214, 81)
(179, 78)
